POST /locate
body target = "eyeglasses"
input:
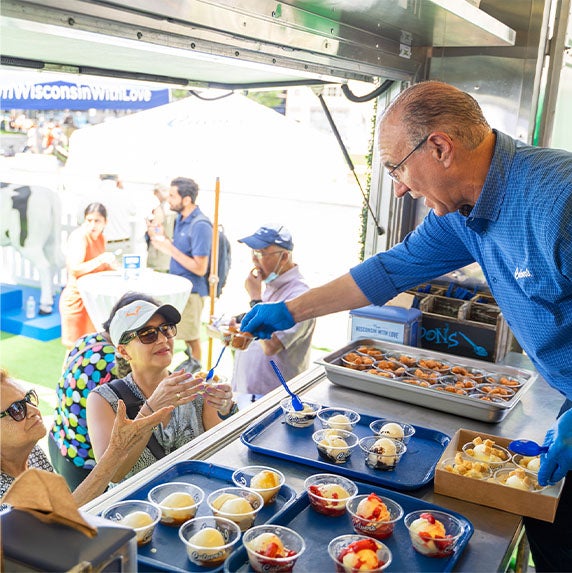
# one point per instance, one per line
(260, 255)
(150, 334)
(392, 172)
(18, 410)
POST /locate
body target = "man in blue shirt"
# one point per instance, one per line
(189, 250)
(493, 200)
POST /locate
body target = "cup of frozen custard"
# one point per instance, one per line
(262, 479)
(335, 446)
(178, 501)
(338, 418)
(352, 553)
(237, 504)
(299, 418)
(462, 466)
(141, 516)
(329, 493)
(530, 463)
(487, 451)
(391, 429)
(209, 540)
(374, 515)
(433, 533)
(273, 548)
(382, 453)
(518, 478)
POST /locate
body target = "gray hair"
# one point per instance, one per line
(437, 106)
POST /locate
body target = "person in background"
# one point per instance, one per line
(495, 201)
(122, 212)
(189, 250)
(162, 220)
(85, 255)
(90, 363)
(21, 427)
(274, 270)
(143, 334)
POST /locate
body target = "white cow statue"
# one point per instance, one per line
(30, 221)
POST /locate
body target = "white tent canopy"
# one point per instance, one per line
(253, 149)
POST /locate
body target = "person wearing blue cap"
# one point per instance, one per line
(274, 270)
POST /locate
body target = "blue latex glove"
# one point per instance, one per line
(557, 461)
(264, 319)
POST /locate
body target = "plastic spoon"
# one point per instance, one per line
(210, 373)
(296, 402)
(527, 448)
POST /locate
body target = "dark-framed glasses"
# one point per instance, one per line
(18, 410)
(393, 171)
(150, 334)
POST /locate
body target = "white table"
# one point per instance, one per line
(100, 291)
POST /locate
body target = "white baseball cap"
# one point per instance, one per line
(136, 314)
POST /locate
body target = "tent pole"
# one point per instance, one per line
(213, 277)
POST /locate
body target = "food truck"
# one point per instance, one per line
(509, 56)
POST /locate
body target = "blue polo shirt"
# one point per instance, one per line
(193, 239)
(520, 232)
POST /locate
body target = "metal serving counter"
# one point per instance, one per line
(496, 532)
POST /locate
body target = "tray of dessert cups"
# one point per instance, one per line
(475, 389)
(165, 548)
(326, 532)
(351, 444)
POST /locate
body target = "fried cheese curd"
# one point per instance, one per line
(357, 361)
(485, 451)
(372, 351)
(467, 468)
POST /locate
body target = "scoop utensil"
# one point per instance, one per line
(527, 448)
(210, 373)
(296, 402)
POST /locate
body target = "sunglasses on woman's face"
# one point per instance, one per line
(18, 410)
(150, 334)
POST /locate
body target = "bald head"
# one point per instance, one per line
(437, 106)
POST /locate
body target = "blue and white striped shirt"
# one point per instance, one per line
(520, 232)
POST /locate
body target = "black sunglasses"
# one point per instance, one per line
(18, 410)
(150, 334)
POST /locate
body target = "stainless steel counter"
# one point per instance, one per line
(496, 532)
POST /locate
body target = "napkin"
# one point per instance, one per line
(47, 497)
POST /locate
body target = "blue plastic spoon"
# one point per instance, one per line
(210, 373)
(527, 448)
(296, 402)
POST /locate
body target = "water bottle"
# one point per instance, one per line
(31, 307)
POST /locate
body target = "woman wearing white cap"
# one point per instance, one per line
(143, 333)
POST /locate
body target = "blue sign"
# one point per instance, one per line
(79, 96)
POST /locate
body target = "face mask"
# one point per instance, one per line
(273, 275)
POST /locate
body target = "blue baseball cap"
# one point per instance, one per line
(269, 235)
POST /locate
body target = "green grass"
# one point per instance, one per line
(32, 360)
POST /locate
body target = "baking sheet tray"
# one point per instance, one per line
(318, 530)
(272, 436)
(451, 403)
(166, 552)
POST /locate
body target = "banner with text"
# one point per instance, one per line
(79, 96)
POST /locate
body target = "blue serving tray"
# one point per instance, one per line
(318, 530)
(166, 552)
(272, 436)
